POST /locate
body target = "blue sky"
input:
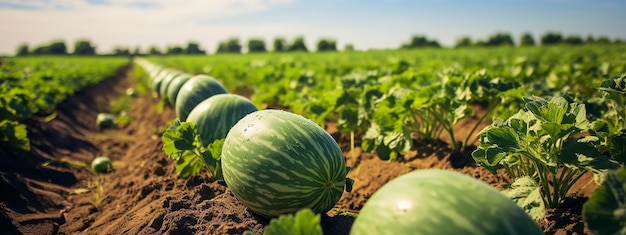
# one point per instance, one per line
(365, 24)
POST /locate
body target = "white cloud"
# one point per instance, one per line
(119, 23)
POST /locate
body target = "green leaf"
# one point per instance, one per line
(504, 137)
(15, 134)
(305, 222)
(605, 211)
(179, 137)
(189, 164)
(216, 148)
(526, 193)
(583, 153)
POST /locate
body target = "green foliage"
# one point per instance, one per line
(304, 222)
(542, 143)
(360, 89)
(325, 44)
(420, 41)
(610, 125)
(527, 40)
(256, 45)
(298, 45)
(551, 38)
(181, 142)
(231, 45)
(31, 87)
(279, 45)
(500, 39)
(193, 48)
(605, 211)
(22, 50)
(84, 47)
(464, 41)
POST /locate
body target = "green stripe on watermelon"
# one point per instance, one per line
(276, 162)
(216, 115)
(194, 91)
(166, 83)
(174, 87)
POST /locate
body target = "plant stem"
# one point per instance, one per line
(490, 108)
(447, 126)
(352, 142)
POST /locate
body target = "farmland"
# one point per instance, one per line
(391, 113)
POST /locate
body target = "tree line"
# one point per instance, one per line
(279, 44)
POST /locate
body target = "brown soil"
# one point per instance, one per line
(144, 195)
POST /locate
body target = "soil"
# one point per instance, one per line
(50, 189)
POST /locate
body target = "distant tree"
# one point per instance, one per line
(193, 48)
(325, 44)
(58, 48)
(22, 50)
(121, 51)
(479, 43)
(551, 38)
(256, 45)
(590, 39)
(464, 41)
(603, 40)
(279, 44)
(419, 41)
(618, 41)
(84, 47)
(298, 45)
(174, 50)
(137, 51)
(231, 45)
(41, 50)
(500, 39)
(222, 48)
(153, 50)
(348, 47)
(573, 40)
(526, 40)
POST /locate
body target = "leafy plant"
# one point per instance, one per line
(428, 112)
(182, 143)
(542, 146)
(610, 126)
(304, 222)
(605, 211)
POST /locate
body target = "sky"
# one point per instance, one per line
(366, 24)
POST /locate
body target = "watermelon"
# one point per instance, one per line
(101, 165)
(162, 88)
(105, 120)
(216, 115)
(194, 91)
(437, 201)
(156, 80)
(276, 162)
(174, 87)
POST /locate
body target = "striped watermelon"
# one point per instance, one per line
(276, 162)
(165, 83)
(216, 115)
(437, 201)
(174, 87)
(194, 91)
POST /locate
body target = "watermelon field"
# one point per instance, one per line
(490, 140)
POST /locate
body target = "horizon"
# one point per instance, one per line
(382, 24)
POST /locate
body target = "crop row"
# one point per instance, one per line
(34, 86)
(541, 106)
